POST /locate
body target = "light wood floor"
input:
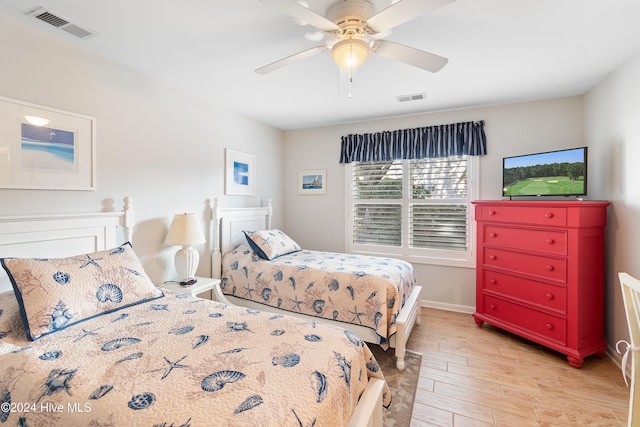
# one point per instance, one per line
(474, 376)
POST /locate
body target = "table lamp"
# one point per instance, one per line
(185, 231)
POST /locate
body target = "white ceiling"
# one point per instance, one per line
(500, 51)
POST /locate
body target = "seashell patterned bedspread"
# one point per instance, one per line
(181, 361)
(362, 290)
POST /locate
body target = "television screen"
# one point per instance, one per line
(553, 173)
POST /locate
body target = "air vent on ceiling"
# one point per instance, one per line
(413, 97)
(62, 23)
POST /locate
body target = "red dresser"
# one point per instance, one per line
(540, 272)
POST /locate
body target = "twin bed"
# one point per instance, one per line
(86, 339)
(374, 297)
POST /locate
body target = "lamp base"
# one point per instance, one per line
(187, 260)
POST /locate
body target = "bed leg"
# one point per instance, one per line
(400, 363)
(401, 346)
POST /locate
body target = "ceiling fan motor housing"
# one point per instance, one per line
(350, 16)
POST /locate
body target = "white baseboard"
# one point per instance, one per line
(448, 307)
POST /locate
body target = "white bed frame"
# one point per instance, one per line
(65, 235)
(228, 224)
(42, 236)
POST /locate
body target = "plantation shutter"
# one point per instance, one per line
(438, 208)
(377, 211)
(428, 196)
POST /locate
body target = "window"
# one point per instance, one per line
(414, 209)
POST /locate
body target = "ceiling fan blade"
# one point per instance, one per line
(401, 12)
(304, 14)
(409, 55)
(291, 59)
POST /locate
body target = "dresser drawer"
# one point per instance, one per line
(537, 322)
(538, 293)
(552, 242)
(545, 216)
(534, 265)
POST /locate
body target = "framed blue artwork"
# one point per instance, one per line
(45, 148)
(239, 173)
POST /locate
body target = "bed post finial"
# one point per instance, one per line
(128, 219)
(216, 215)
(269, 213)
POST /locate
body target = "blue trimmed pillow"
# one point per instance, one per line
(54, 293)
(270, 244)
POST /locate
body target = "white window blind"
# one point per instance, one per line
(413, 208)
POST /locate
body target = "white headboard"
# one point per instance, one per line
(228, 226)
(57, 236)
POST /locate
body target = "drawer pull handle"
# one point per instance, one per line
(493, 307)
(493, 235)
(492, 257)
(492, 212)
(550, 241)
(549, 296)
(550, 268)
(549, 326)
(549, 215)
(493, 281)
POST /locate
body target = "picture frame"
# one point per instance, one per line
(239, 173)
(45, 148)
(312, 181)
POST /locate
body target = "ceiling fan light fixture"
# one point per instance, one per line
(350, 53)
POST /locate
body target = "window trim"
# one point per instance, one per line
(433, 256)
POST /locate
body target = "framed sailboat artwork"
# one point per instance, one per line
(312, 181)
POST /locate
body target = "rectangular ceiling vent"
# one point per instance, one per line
(62, 23)
(414, 97)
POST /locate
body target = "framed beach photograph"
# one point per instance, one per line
(239, 173)
(45, 148)
(312, 182)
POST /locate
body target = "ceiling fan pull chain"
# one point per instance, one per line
(350, 71)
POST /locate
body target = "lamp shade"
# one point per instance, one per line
(350, 53)
(185, 230)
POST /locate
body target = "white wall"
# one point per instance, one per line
(154, 143)
(612, 129)
(317, 222)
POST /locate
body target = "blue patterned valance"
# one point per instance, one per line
(456, 139)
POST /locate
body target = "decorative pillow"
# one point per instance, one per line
(270, 244)
(12, 336)
(56, 293)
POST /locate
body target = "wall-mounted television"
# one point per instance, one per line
(551, 173)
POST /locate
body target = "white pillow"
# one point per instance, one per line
(270, 244)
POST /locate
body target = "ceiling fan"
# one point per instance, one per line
(355, 27)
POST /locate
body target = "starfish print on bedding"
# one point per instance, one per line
(249, 289)
(300, 423)
(356, 314)
(296, 303)
(85, 333)
(90, 261)
(170, 366)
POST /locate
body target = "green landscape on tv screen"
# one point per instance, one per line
(554, 173)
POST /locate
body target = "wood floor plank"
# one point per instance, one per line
(484, 398)
(478, 377)
(429, 415)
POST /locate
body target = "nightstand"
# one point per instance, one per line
(204, 284)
